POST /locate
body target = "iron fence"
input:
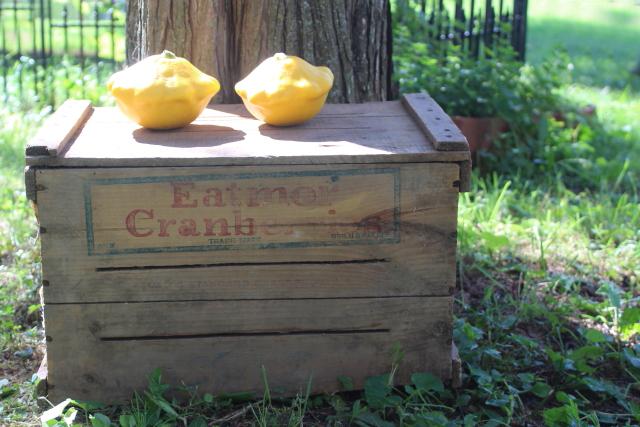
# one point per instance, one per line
(468, 24)
(52, 49)
(55, 49)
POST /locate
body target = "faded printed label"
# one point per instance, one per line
(242, 211)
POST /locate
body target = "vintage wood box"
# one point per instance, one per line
(229, 245)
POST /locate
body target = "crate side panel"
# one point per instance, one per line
(401, 218)
(299, 280)
(104, 351)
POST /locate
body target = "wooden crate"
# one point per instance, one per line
(228, 245)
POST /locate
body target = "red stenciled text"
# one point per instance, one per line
(227, 211)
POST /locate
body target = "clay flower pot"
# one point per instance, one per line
(480, 131)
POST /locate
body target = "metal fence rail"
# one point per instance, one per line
(469, 24)
(46, 42)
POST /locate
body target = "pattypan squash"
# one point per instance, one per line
(162, 91)
(285, 90)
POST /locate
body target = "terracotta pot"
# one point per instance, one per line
(480, 131)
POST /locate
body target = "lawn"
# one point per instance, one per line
(601, 39)
(547, 307)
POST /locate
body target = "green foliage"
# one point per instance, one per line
(549, 137)
(20, 329)
(598, 40)
(547, 309)
(66, 79)
(490, 86)
(494, 84)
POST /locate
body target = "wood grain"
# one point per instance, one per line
(421, 263)
(465, 176)
(257, 281)
(436, 124)
(59, 128)
(30, 183)
(226, 135)
(353, 251)
(221, 346)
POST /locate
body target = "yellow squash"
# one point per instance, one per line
(285, 90)
(162, 91)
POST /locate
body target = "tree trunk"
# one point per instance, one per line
(228, 38)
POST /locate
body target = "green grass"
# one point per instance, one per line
(600, 36)
(20, 333)
(547, 308)
(601, 40)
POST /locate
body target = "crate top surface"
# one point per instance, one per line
(414, 129)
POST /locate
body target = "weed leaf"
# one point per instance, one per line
(633, 359)
(99, 420)
(561, 416)
(376, 390)
(595, 336)
(494, 242)
(373, 420)
(162, 404)
(427, 382)
(198, 422)
(630, 322)
(346, 383)
(56, 411)
(127, 421)
(541, 389)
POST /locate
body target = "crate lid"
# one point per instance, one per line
(414, 129)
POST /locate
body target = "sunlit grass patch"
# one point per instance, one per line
(600, 37)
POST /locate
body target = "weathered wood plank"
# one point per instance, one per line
(411, 211)
(59, 129)
(30, 183)
(465, 176)
(435, 123)
(311, 250)
(221, 346)
(286, 159)
(258, 281)
(227, 135)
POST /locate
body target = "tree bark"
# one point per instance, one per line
(228, 38)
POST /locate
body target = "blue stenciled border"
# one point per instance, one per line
(88, 208)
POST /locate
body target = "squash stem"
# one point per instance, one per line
(168, 55)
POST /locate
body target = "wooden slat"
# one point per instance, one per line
(422, 262)
(465, 176)
(318, 280)
(227, 135)
(30, 183)
(285, 159)
(221, 346)
(262, 282)
(59, 129)
(435, 123)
